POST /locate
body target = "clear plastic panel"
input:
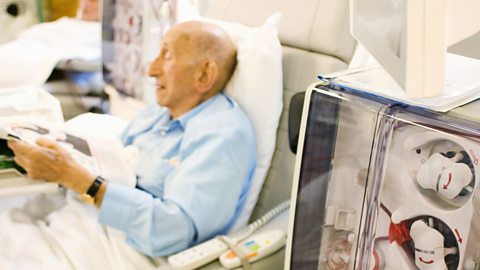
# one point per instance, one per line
(383, 186)
(335, 159)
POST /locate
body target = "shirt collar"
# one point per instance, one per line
(183, 120)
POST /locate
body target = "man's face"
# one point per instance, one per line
(173, 71)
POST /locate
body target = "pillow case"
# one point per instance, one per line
(257, 85)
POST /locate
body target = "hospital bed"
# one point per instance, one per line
(63, 57)
(78, 85)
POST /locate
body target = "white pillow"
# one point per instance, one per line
(257, 86)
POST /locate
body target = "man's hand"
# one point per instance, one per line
(48, 161)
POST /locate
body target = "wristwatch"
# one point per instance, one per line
(95, 186)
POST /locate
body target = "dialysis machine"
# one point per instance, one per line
(381, 185)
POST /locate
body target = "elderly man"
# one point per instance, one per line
(197, 151)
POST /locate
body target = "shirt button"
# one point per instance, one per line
(163, 133)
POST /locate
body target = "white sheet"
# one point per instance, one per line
(30, 59)
(65, 236)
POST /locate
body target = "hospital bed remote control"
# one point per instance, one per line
(198, 255)
(255, 247)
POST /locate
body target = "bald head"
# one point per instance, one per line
(206, 41)
(195, 62)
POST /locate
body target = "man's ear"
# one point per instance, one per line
(207, 76)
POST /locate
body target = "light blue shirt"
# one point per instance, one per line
(193, 175)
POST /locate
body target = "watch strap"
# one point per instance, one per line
(95, 186)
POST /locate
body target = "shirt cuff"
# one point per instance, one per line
(117, 205)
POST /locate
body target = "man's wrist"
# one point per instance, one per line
(78, 179)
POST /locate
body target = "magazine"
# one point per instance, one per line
(101, 157)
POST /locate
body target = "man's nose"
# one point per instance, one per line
(155, 68)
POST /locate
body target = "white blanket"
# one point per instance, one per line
(64, 234)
